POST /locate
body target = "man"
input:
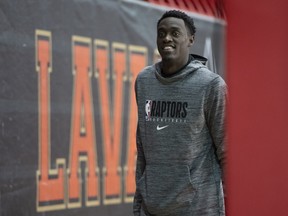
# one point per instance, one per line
(180, 134)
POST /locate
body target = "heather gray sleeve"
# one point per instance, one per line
(215, 111)
(140, 166)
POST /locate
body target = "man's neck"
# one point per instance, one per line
(169, 67)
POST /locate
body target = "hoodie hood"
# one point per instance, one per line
(202, 59)
(196, 63)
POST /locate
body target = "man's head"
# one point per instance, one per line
(189, 22)
(175, 36)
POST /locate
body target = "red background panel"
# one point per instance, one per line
(257, 174)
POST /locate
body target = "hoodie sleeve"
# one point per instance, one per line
(140, 167)
(215, 111)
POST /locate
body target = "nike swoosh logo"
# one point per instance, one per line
(161, 128)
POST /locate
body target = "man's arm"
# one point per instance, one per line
(140, 166)
(216, 116)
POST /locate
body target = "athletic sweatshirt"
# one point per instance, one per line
(180, 142)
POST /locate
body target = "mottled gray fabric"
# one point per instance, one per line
(180, 142)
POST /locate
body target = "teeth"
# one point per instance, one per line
(168, 48)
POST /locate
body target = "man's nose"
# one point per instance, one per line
(167, 38)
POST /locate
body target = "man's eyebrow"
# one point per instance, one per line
(175, 28)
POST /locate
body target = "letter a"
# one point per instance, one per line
(83, 146)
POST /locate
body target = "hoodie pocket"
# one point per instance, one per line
(166, 187)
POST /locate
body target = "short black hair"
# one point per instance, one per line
(189, 22)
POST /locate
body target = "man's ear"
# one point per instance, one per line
(191, 40)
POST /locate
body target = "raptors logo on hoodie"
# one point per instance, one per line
(165, 109)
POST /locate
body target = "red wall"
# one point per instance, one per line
(258, 112)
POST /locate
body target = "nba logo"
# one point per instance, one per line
(148, 110)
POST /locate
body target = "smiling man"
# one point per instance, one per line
(180, 133)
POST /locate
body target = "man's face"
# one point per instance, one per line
(173, 40)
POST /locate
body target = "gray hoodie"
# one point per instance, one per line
(180, 142)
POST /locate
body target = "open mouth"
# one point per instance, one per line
(168, 48)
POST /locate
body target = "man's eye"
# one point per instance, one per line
(161, 34)
(176, 33)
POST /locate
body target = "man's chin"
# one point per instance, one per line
(168, 57)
